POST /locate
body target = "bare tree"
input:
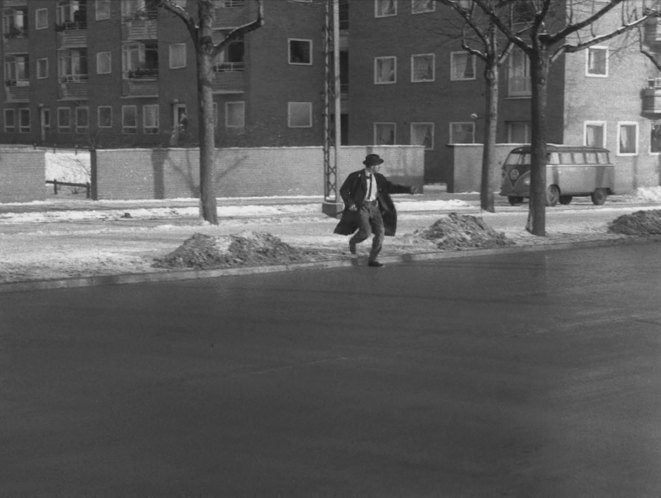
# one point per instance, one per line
(480, 38)
(200, 26)
(545, 30)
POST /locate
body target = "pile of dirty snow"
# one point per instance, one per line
(640, 223)
(251, 248)
(460, 232)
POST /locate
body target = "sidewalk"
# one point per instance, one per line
(64, 243)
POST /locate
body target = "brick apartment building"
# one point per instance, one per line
(118, 73)
(411, 83)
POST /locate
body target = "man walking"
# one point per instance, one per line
(368, 207)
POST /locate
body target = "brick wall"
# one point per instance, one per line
(22, 175)
(249, 172)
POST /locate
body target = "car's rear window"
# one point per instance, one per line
(517, 158)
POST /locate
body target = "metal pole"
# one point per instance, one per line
(332, 205)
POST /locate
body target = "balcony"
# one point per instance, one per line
(73, 87)
(651, 97)
(136, 29)
(17, 90)
(138, 87)
(16, 44)
(229, 78)
(71, 34)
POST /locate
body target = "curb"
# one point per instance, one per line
(179, 275)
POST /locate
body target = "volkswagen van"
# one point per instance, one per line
(570, 171)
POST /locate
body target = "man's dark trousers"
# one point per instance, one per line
(370, 220)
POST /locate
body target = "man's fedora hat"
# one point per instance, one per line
(372, 160)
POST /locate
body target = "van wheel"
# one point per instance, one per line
(565, 199)
(552, 195)
(514, 200)
(599, 196)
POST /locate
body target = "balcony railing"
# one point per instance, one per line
(142, 73)
(140, 29)
(229, 67)
(140, 88)
(17, 93)
(73, 86)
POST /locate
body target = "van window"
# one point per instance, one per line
(553, 158)
(592, 158)
(565, 158)
(514, 159)
(579, 158)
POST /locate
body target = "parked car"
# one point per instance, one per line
(570, 171)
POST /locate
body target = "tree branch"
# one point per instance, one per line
(242, 30)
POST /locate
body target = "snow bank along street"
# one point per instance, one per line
(65, 239)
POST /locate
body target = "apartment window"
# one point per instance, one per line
(103, 63)
(627, 139)
(385, 69)
(72, 64)
(300, 52)
(235, 114)
(71, 14)
(422, 67)
(82, 119)
(385, 8)
(423, 134)
(595, 134)
(597, 61)
(41, 19)
(462, 66)
(63, 119)
(655, 137)
(299, 115)
(230, 59)
(16, 70)
(140, 60)
(177, 55)
(24, 120)
(42, 68)
(422, 6)
(102, 9)
(462, 133)
(518, 74)
(518, 132)
(129, 119)
(384, 133)
(150, 120)
(15, 22)
(104, 116)
(10, 120)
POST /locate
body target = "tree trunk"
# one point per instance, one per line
(489, 165)
(539, 70)
(208, 207)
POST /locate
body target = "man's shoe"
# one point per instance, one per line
(375, 264)
(352, 247)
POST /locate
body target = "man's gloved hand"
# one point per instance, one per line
(353, 208)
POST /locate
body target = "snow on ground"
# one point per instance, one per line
(127, 237)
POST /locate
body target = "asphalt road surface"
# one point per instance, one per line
(530, 374)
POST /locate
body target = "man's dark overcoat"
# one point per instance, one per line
(353, 192)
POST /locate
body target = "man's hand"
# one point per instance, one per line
(353, 208)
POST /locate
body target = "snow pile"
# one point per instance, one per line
(640, 223)
(459, 232)
(251, 248)
(647, 194)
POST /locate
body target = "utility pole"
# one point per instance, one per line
(332, 205)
